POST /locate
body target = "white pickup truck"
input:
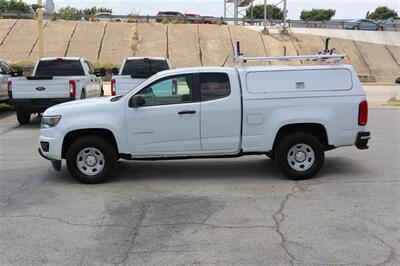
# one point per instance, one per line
(6, 72)
(54, 81)
(134, 71)
(293, 114)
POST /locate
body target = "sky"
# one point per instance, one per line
(344, 8)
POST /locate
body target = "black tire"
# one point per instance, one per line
(101, 145)
(83, 94)
(300, 140)
(102, 92)
(23, 117)
(380, 28)
(356, 28)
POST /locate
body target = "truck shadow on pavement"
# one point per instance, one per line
(250, 168)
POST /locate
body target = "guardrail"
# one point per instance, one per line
(332, 24)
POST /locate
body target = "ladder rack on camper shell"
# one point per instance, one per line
(326, 56)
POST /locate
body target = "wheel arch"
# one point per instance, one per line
(316, 129)
(71, 136)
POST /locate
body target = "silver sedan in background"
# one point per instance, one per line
(362, 24)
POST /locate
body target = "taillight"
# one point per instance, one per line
(9, 88)
(113, 87)
(72, 88)
(363, 113)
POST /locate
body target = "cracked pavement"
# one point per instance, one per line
(226, 211)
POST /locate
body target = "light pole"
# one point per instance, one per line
(285, 30)
(265, 30)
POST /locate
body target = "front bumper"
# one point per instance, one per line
(55, 163)
(362, 140)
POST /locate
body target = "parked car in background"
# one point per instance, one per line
(134, 71)
(209, 20)
(197, 19)
(194, 18)
(362, 24)
(54, 81)
(169, 15)
(6, 72)
(106, 17)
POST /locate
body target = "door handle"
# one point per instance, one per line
(187, 112)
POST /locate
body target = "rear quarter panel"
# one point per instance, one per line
(265, 113)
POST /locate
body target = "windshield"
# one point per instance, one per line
(143, 69)
(59, 68)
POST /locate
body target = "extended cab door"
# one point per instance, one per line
(221, 111)
(167, 122)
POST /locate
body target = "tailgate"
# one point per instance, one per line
(57, 87)
(125, 84)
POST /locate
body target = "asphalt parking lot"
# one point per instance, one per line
(227, 211)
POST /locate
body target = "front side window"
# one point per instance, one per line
(4, 68)
(90, 67)
(171, 90)
(214, 86)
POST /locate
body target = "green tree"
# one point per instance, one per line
(317, 14)
(72, 13)
(273, 12)
(14, 6)
(94, 10)
(382, 12)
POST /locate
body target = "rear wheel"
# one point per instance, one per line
(91, 159)
(380, 28)
(83, 94)
(356, 28)
(23, 117)
(300, 155)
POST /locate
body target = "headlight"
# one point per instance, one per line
(50, 121)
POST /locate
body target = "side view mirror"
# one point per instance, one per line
(115, 71)
(17, 73)
(101, 72)
(137, 101)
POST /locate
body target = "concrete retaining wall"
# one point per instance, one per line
(216, 45)
(57, 35)
(185, 45)
(87, 40)
(117, 43)
(20, 41)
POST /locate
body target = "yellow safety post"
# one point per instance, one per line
(39, 16)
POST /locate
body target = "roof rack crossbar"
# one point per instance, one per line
(321, 58)
(326, 56)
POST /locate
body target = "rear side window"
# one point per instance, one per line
(143, 69)
(214, 86)
(59, 68)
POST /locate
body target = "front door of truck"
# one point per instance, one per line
(167, 120)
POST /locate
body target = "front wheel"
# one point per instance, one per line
(23, 117)
(91, 159)
(300, 155)
(356, 28)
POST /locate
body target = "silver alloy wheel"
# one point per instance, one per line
(301, 157)
(90, 161)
